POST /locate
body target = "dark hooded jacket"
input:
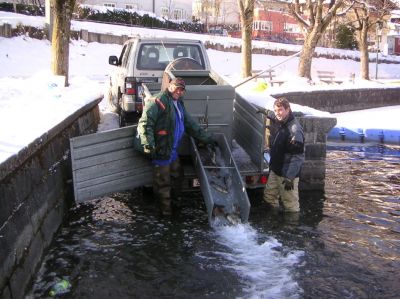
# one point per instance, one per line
(287, 148)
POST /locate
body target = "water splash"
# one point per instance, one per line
(263, 265)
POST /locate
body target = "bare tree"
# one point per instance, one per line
(62, 10)
(368, 15)
(217, 10)
(204, 8)
(246, 10)
(169, 5)
(318, 14)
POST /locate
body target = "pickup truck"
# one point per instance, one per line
(143, 60)
(106, 162)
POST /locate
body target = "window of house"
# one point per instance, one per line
(291, 28)
(262, 25)
(109, 4)
(256, 25)
(178, 14)
(131, 6)
(164, 12)
(266, 26)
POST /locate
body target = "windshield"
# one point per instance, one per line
(158, 56)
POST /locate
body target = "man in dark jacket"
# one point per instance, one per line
(287, 157)
(159, 132)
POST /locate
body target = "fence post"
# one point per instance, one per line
(6, 30)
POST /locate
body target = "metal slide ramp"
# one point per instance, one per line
(221, 183)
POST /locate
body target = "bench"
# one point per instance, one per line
(269, 75)
(328, 77)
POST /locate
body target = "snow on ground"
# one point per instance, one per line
(32, 101)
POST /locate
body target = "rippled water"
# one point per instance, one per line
(345, 244)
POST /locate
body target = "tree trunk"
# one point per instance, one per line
(246, 51)
(60, 37)
(307, 53)
(362, 38)
(246, 8)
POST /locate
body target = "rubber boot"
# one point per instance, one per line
(165, 206)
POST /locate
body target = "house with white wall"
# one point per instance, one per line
(393, 34)
(170, 9)
(216, 12)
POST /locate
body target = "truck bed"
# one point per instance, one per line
(242, 159)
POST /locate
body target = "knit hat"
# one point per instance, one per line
(178, 82)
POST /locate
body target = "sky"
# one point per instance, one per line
(32, 101)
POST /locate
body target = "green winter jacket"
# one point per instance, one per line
(156, 127)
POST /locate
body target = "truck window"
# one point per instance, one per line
(121, 56)
(157, 56)
(126, 54)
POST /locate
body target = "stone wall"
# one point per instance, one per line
(312, 176)
(33, 199)
(102, 38)
(5, 30)
(335, 101)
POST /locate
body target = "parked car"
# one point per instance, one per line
(143, 60)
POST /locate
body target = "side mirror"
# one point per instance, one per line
(113, 60)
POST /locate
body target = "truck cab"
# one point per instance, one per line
(143, 60)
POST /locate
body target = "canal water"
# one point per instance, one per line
(344, 244)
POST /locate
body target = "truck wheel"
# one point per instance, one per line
(122, 118)
(129, 118)
(112, 103)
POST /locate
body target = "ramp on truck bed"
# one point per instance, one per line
(106, 162)
(221, 184)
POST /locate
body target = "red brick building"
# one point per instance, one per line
(273, 25)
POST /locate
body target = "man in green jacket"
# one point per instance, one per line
(160, 130)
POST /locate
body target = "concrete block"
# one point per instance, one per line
(311, 185)
(5, 293)
(52, 222)
(48, 157)
(317, 124)
(23, 183)
(7, 255)
(36, 172)
(84, 35)
(313, 170)
(23, 226)
(19, 281)
(32, 199)
(321, 137)
(27, 267)
(7, 199)
(315, 151)
(310, 137)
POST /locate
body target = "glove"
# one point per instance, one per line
(201, 144)
(212, 142)
(148, 149)
(263, 111)
(208, 142)
(288, 184)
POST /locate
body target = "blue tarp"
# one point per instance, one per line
(365, 135)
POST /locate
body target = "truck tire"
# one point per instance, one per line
(128, 118)
(122, 118)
